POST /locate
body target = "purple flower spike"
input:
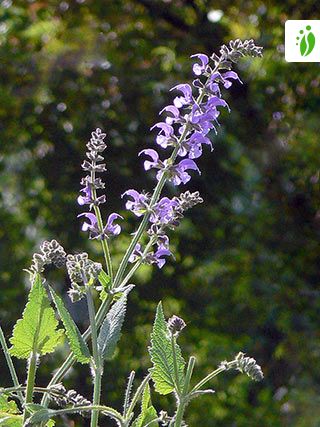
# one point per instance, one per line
(178, 172)
(139, 204)
(112, 229)
(186, 99)
(155, 159)
(197, 68)
(87, 198)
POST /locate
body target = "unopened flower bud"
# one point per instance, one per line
(175, 325)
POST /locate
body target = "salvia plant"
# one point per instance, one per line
(46, 322)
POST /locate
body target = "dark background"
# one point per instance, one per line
(246, 275)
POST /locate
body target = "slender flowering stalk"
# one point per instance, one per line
(188, 122)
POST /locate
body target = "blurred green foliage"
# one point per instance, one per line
(246, 274)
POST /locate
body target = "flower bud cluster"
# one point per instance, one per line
(175, 325)
(63, 397)
(51, 252)
(238, 48)
(81, 269)
(246, 365)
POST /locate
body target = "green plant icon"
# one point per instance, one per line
(306, 41)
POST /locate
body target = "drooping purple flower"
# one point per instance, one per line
(86, 199)
(194, 144)
(199, 69)
(178, 174)
(157, 257)
(173, 114)
(136, 254)
(92, 225)
(155, 163)
(186, 99)
(166, 134)
(112, 229)
(163, 211)
(139, 204)
(227, 76)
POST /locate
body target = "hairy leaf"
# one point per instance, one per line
(9, 413)
(104, 279)
(148, 412)
(76, 342)
(37, 330)
(111, 328)
(162, 371)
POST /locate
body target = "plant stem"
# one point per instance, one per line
(208, 378)
(175, 366)
(11, 367)
(97, 365)
(104, 244)
(179, 414)
(30, 381)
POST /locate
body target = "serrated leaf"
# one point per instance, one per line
(40, 416)
(37, 330)
(162, 371)
(111, 328)
(7, 420)
(104, 279)
(9, 413)
(76, 342)
(148, 412)
(8, 406)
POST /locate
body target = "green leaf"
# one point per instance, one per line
(7, 420)
(41, 416)
(111, 328)
(9, 413)
(162, 371)
(104, 279)
(76, 342)
(148, 412)
(37, 330)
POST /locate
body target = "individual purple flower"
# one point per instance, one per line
(163, 211)
(139, 204)
(173, 114)
(199, 69)
(178, 174)
(194, 144)
(155, 163)
(92, 225)
(166, 134)
(112, 229)
(86, 199)
(186, 99)
(136, 254)
(157, 257)
(227, 76)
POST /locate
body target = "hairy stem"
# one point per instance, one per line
(175, 365)
(179, 414)
(11, 367)
(30, 381)
(208, 378)
(97, 365)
